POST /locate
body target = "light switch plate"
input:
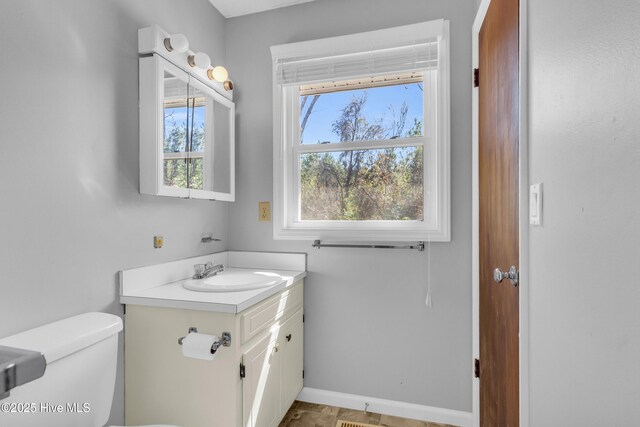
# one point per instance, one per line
(158, 241)
(264, 211)
(535, 204)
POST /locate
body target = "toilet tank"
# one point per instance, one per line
(78, 383)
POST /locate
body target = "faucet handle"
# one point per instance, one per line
(199, 268)
(208, 265)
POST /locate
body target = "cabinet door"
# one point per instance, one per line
(261, 385)
(291, 359)
(164, 141)
(211, 147)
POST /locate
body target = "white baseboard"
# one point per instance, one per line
(387, 407)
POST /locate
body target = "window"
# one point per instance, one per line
(361, 136)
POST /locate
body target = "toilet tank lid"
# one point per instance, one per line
(64, 337)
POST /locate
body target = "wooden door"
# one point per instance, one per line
(498, 100)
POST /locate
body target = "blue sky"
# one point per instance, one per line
(178, 116)
(327, 109)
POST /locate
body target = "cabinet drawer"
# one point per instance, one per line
(259, 318)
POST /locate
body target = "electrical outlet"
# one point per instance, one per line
(158, 241)
(264, 211)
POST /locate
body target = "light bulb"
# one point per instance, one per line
(218, 73)
(177, 42)
(200, 60)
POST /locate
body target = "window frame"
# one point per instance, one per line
(436, 142)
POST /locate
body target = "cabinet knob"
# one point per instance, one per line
(276, 347)
(288, 337)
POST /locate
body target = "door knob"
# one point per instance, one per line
(512, 274)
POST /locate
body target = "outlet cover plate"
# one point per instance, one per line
(264, 211)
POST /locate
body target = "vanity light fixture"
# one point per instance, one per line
(200, 60)
(175, 49)
(219, 74)
(177, 42)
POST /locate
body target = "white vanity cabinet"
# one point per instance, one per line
(252, 383)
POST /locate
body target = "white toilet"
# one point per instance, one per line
(77, 386)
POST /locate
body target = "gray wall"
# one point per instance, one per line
(476, 4)
(71, 213)
(357, 301)
(585, 147)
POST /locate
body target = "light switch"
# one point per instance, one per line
(535, 204)
(158, 241)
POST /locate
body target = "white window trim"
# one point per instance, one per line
(184, 155)
(437, 148)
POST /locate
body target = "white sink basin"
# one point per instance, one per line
(233, 281)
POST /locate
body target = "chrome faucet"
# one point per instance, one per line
(203, 271)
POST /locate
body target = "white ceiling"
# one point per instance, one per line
(231, 8)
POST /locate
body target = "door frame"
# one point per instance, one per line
(523, 212)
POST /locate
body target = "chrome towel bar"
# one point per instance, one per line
(318, 244)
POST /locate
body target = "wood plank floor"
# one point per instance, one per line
(303, 414)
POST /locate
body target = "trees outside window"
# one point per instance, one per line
(364, 184)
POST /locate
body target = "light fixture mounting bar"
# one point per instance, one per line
(151, 40)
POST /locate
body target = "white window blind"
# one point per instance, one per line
(419, 56)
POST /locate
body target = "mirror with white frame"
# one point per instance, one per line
(186, 134)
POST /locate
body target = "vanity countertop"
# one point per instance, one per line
(161, 285)
(173, 295)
